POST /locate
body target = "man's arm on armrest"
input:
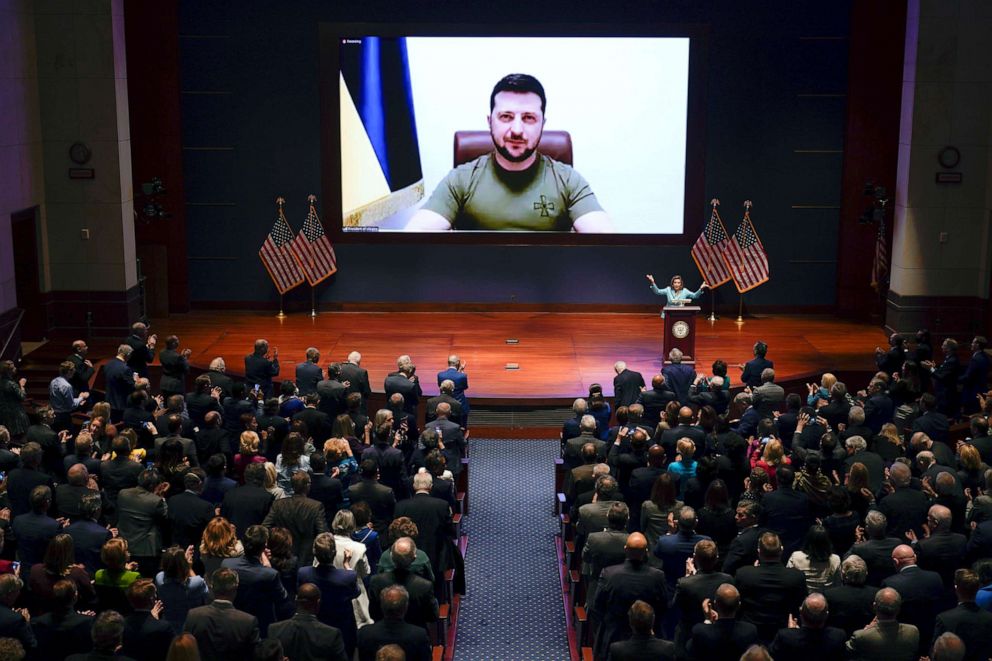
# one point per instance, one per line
(426, 220)
(594, 222)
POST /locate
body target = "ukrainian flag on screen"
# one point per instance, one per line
(380, 156)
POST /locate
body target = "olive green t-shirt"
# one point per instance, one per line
(480, 195)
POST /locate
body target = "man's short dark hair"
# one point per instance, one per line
(391, 652)
(769, 546)
(224, 582)
(149, 478)
(300, 482)
(618, 516)
(192, 481)
(641, 617)
(40, 498)
(216, 464)
(107, 632)
(369, 468)
(255, 540)
(317, 463)
(31, 454)
(519, 83)
(785, 475)
(255, 474)
(141, 594)
(394, 600)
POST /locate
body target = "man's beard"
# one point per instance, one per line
(505, 153)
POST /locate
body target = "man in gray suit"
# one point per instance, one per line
(141, 511)
(304, 517)
(593, 516)
(604, 549)
(885, 639)
(305, 637)
(769, 395)
(222, 632)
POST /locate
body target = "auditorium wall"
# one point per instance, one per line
(775, 83)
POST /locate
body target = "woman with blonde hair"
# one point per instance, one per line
(684, 469)
(971, 469)
(770, 458)
(247, 454)
(822, 393)
(338, 453)
(272, 481)
(342, 527)
(219, 542)
(888, 444)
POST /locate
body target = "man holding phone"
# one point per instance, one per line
(260, 367)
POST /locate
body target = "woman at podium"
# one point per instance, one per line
(675, 293)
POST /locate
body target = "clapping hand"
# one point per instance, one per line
(650, 278)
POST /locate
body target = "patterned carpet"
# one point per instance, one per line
(513, 609)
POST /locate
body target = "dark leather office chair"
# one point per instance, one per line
(470, 145)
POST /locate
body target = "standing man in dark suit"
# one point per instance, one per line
(876, 548)
(642, 644)
(446, 396)
(260, 368)
(141, 513)
(922, 593)
(752, 369)
(88, 536)
(456, 374)
(627, 385)
(142, 348)
(260, 589)
(678, 376)
(420, 591)
(380, 498)
(120, 382)
(217, 377)
(940, 549)
(433, 518)
(80, 379)
(393, 630)
(723, 636)
(304, 636)
(969, 622)
(35, 529)
(174, 428)
(319, 424)
(387, 438)
(189, 514)
(812, 640)
(655, 400)
(22, 481)
(710, 392)
(945, 379)
(699, 585)
(858, 452)
(878, 406)
(770, 591)
(175, 367)
(146, 637)
(405, 382)
(249, 504)
(787, 512)
(620, 586)
(357, 378)
(332, 392)
(975, 380)
(743, 549)
(905, 508)
(303, 516)
(604, 549)
(452, 438)
(14, 623)
(223, 632)
(325, 489)
(685, 429)
(117, 473)
(932, 421)
(308, 373)
(852, 602)
(890, 361)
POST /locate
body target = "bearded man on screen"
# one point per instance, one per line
(513, 188)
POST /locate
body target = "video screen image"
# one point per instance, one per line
(513, 134)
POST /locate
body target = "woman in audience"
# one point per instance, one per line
(684, 466)
(817, 560)
(344, 427)
(655, 511)
(755, 485)
(770, 458)
(821, 394)
(289, 400)
(184, 648)
(6, 566)
(292, 459)
(888, 444)
(179, 588)
(811, 481)
(405, 527)
(58, 565)
(971, 470)
(720, 369)
(337, 452)
(859, 489)
(219, 541)
(172, 465)
(271, 481)
(135, 454)
(716, 516)
(247, 454)
(12, 393)
(366, 534)
(842, 524)
(283, 560)
(120, 572)
(342, 527)
(599, 408)
(201, 401)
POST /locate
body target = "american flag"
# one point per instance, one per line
(879, 265)
(313, 250)
(276, 255)
(746, 257)
(708, 251)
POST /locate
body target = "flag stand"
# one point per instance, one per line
(740, 310)
(313, 303)
(712, 316)
(281, 315)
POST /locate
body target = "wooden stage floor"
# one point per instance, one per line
(559, 354)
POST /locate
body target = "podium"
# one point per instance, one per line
(680, 331)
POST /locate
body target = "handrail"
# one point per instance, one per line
(13, 330)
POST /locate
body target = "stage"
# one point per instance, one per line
(558, 354)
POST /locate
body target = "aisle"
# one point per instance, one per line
(513, 609)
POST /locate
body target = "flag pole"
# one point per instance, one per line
(313, 303)
(740, 310)
(712, 316)
(281, 315)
